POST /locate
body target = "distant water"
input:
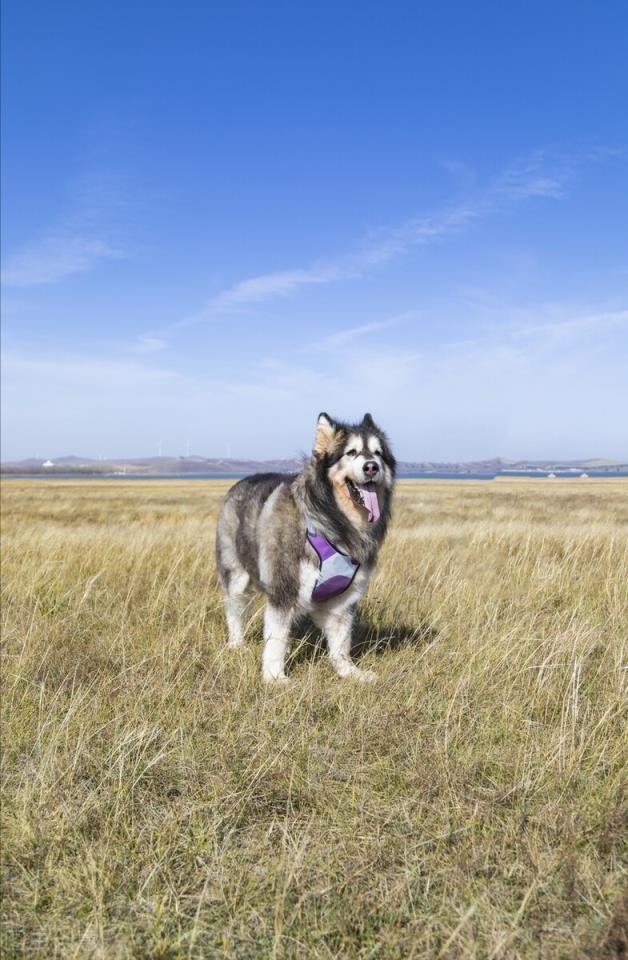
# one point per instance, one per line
(532, 474)
(427, 475)
(436, 475)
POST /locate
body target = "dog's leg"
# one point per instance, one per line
(236, 601)
(277, 624)
(336, 625)
(236, 582)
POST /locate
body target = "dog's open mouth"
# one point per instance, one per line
(365, 495)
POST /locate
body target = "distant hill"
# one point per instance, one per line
(169, 466)
(148, 466)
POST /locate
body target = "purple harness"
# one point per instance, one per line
(337, 570)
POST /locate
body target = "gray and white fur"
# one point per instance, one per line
(261, 541)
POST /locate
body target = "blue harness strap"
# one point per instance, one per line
(337, 570)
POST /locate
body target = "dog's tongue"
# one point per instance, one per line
(369, 496)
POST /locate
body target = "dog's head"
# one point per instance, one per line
(357, 461)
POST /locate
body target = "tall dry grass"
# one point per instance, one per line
(160, 802)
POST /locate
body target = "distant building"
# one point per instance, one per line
(48, 463)
(584, 476)
(551, 476)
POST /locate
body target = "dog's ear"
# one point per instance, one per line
(368, 422)
(325, 433)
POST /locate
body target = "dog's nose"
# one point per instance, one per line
(371, 469)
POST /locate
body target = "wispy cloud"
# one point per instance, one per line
(574, 326)
(147, 344)
(272, 285)
(54, 257)
(344, 337)
(535, 177)
(76, 243)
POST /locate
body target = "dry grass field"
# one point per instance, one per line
(159, 802)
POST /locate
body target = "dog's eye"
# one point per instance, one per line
(377, 453)
(351, 453)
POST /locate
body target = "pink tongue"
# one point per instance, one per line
(369, 496)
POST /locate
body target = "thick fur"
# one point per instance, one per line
(261, 540)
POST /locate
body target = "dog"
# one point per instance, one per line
(308, 541)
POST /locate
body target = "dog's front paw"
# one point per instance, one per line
(275, 679)
(348, 670)
(364, 676)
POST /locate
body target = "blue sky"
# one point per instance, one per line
(220, 219)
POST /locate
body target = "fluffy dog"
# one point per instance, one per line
(308, 541)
